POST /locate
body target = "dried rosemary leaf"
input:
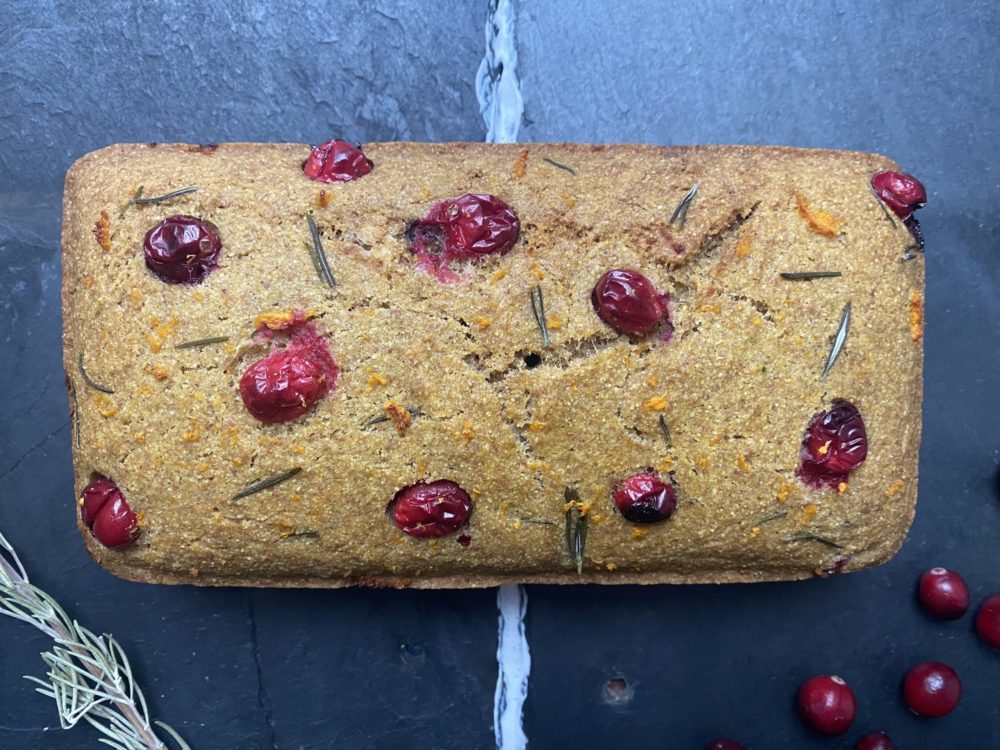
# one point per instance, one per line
(839, 339)
(680, 213)
(140, 201)
(813, 538)
(202, 342)
(809, 275)
(881, 204)
(541, 521)
(772, 517)
(88, 381)
(557, 165)
(76, 416)
(307, 533)
(664, 430)
(319, 256)
(538, 308)
(264, 484)
(131, 202)
(576, 528)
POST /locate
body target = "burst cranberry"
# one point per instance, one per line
(431, 509)
(724, 743)
(932, 689)
(875, 741)
(182, 249)
(988, 621)
(289, 382)
(645, 498)
(902, 193)
(826, 704)
(336, 161)
(943, 594)
(468, 227)
(628, 302)
(835, 443)
(106, 514)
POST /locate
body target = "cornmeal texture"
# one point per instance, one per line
(736, 384)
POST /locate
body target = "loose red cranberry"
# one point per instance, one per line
(106, 514)
(468, 227)
(902, 193)
(826, 704)
(645, 498)
(875, 741)
(835, 443)
(182, 249)
(724, 743)
(943, 594)
(336, 161)
(628, 302)
(289, 382)
(932, 689)
(988, 621)
(431, 509)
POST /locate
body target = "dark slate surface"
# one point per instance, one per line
(287, 669)
(918, 82)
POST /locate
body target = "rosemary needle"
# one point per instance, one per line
(839, 339)
(88, 381)
(264, 484)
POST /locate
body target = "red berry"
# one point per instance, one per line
(932, 689)
(902, 193)
(943, 593)
(628, 302)
(106, 514)
(724, 743)
(988, 621)
(182, 249)
(835, 443)
(468, 227)
(336, 161)
(826, 704)
(875, 741)
(289, 382)
(645, 498)
(431, 509)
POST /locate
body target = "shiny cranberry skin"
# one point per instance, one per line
(826, 704)
(724, 743)
(932, 689)
(645, 498)
(988, 621)
(106, 514)
(628, 302)
(431, 509)
(875, 741)
(182, 249)
(902, 193)
(943, 594)
(336, 161)
(835, 443)
(284, 385)
(468, 227)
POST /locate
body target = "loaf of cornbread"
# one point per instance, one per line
(538, 417)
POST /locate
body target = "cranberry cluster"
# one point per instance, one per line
(107, 515)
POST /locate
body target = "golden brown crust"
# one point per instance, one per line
(740, 377)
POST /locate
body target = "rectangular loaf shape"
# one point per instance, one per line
(513, 422)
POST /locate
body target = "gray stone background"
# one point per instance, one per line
(233, 668)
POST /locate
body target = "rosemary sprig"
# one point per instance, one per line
(131, 202)
(540, 521)
(664, 429)
(89, 675)
(809, 275)
(538, 308)
(813, 538)
(839, 339)
(264, 484)
(773, 517)
(557, 165)
(140, 201)
(881, 204)
(414, 412)
(576, 528)
(681, 212)
(201, 342)
(319, 256)
(88, 381)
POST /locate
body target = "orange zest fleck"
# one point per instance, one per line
(193, 434)
(743, 247)
(702, 463)
(657, 403)
(652, 381)
(535, 426)
(712, 308)
(568, 199)
(280, 320)
(375, 380)
(483, 322)
(521, 163)
(610, 566)
(104, 405)
(102, 231)
(298, 449)
(742, 463)
(809, 513)
(399, 416)
(783, 492)
(916, 316)
(498, 275)
(755, 532)
(665, 465)
(554, 322)
(536, 271)
(714, 440)
(323, 199)
(139, 437)
(842, 487)
(468, 431)
(639, 533)
(159, 372)
(895, 488)
(821, 222)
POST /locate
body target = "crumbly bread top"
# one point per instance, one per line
(736, 384)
